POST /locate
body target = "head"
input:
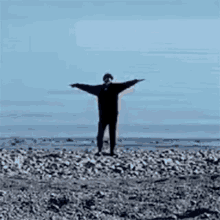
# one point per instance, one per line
(107, 78)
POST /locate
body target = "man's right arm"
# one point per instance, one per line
(94, 90)
(74, 85)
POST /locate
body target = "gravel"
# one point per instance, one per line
(141, 184)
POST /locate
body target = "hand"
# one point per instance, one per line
(73, 85)
(139, 80)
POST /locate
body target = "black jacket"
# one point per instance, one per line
(107, 96)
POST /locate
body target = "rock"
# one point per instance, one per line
(100, 194)
(34, 140)
(139, 167)
(16, 140)
(130, 166)
(69, 139)
(177, 162)
(2, 193)
(89, 163)
(168, 161)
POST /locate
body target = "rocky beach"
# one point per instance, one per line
(165, 183)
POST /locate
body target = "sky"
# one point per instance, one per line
(172, 44)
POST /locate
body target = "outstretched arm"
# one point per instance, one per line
(122, 86)
(73, 85)
(139, 80)
(94, 90)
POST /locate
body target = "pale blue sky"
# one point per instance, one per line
(173, 44)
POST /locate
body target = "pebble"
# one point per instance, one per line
(80, 164)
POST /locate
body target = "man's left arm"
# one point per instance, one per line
(122, 86)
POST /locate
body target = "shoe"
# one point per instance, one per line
(98, 154)
(113, 155)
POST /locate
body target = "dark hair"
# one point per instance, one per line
(107, 75)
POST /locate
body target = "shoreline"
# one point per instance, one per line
(89, 144)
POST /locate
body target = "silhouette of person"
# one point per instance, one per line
(107, 94)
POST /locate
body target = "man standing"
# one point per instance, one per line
(107, 94)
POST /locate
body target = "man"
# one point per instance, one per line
(107, 94)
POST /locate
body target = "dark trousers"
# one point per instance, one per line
(112, 132)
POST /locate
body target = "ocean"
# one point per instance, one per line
(123, 131)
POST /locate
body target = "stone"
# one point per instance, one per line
(168, 161)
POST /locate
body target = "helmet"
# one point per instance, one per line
(107, 75)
